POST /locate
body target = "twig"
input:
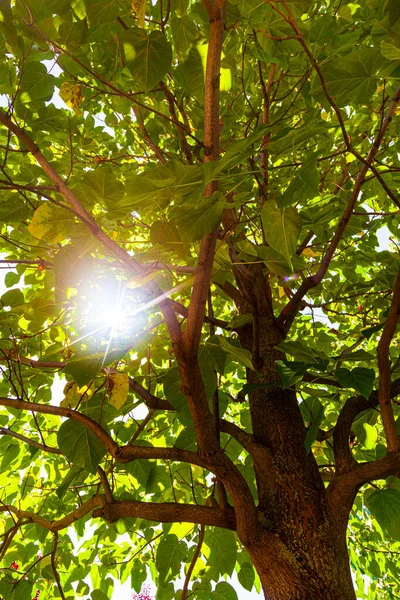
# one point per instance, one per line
(193, 562)
(54, 567)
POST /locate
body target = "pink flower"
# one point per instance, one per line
(144, 594)
(14, 565)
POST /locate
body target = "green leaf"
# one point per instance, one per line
(102, 186)
(241, 355)
(149, 56)
(353, 78)
(73, 474)
(36, 83)
(224, 591)
(199, 222)
(390, 51)
(304, 185)
(223, 549)
(13, 298)
(281, 228)
(22, 590)
(385, 507)
(170, 553)
(312, 431)
(51, 223)
(184, 32)
(369, 331)
(80, 445)
(14, 209)
(246, 576)
(291, 372)
(276, 262)
(85, 368)
(371, 436)
(359, 379)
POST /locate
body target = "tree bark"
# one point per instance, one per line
(320, 571)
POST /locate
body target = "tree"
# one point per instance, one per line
(191, 197)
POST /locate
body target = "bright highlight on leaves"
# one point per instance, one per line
(50, 223)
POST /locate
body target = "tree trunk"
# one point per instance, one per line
(320, 571)
(301, 554)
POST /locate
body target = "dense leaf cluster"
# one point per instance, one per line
(113, 95)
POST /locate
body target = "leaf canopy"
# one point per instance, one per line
(109, 195)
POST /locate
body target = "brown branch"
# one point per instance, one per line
(193, 562)
(47, 409)
(151, 401)
(106, 486)
(389, 424)
(147, 138)
(341, 433)
(54, 566)
(125, 454)
(265, 119)
(119, 253)
(201, 283)
(168, 512)
(290, 310)
(22, 438)
(95, 502)
(371, 471)
(344, 459)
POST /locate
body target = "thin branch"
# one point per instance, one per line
(201, 283)
(22, 438)
(106, 485)
(95, 502)
(193, 562)
(47, 409)
(54, 566)
(389, 424)
(290, 310)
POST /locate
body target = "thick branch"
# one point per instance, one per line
(371, 471)
(341, 434)
(385, 375)
(168, 512)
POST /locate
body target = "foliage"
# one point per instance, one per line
(123, 171)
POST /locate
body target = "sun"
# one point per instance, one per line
(106, 311)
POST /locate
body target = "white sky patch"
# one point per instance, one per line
(384, 236)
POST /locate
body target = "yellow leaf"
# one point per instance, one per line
(139, 8)
(72, 96)
(310, 253)
(73, 394)
(118, 387)
(281, 291)
(50, 223)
